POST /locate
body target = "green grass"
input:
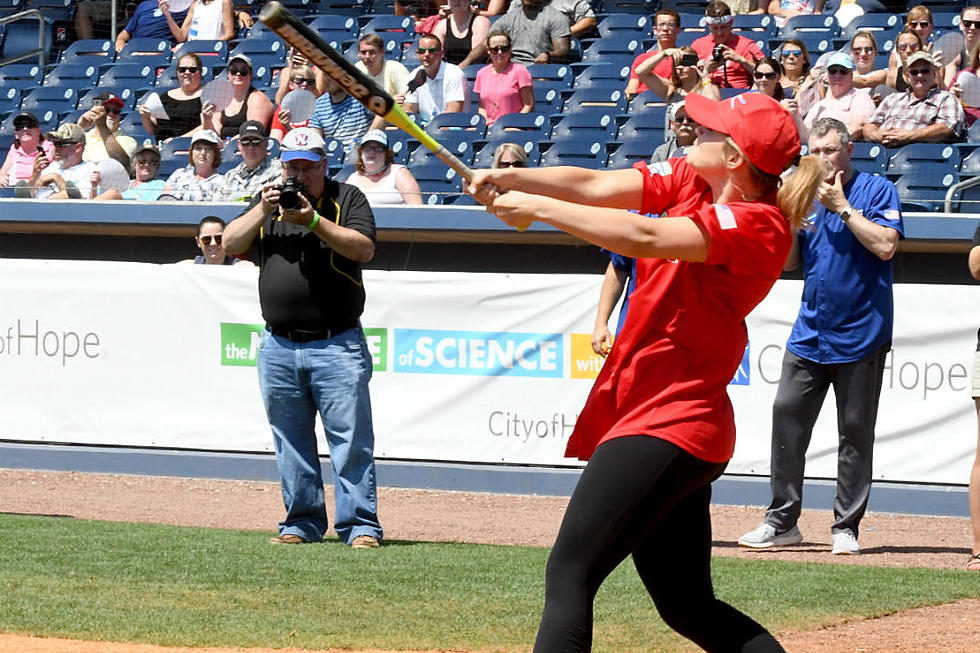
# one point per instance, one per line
(207, 587)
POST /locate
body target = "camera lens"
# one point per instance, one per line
(718, 54)
(289, 195)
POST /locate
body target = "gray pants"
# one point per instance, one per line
(802, 389)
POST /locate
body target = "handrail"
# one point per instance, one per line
(42, 47)
(948, 204)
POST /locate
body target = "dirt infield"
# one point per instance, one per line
(886, 540)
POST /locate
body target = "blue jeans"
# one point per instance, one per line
(331, 377)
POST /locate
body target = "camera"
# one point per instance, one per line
(718, 54)
(289, 193)
(689, 60)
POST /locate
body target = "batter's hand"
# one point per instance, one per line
(513, 207)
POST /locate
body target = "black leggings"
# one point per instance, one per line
(648, 498)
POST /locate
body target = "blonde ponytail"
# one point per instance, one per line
(795, 195)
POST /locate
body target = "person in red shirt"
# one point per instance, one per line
(666, 27)
(658, 426)
(735, 63)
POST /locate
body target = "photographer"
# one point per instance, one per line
(310, 235)
(729, 58)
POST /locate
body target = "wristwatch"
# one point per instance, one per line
(845, 215)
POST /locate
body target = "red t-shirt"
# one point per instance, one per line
(738, 76)
(662, 69)
(668, 373)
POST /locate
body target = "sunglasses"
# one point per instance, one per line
(907, 46)
(20, 128)
(211, 240)
(65, 146)
(792, 53)
(919, 72)
(921, 23)
(188, 69)
(688, 119)
(113, 110)
(303, 80)
(239, 70)
(251, 142)
(431, 50)
(864, 50)
(497, 49)
(146, 162)
(510, 164)
(972, 24)
(837, 71)
(759, 75)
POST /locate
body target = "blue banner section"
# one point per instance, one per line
(481, 353)
(743, 373)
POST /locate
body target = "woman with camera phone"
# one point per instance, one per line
(686, 77)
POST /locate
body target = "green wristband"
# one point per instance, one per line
(316, 219)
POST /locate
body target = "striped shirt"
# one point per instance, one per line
(904, 111)
(346, 120)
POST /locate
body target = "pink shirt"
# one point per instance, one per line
(852, 107)
(500, 93)
(20, 164)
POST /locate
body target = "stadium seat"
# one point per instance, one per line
(823, 24)
(52, 10)
(815, 43)
(51, 98)
(613, 99)
(552, 73)
(78, 76)
(641, 7)
(928, 161)
(754, 26)
(625, 26)
(401, 45)
(869, 157)
(173, 155)
(9, 103)
(21, 76)
(211, 51)
(484, 156)
(548, 97)
(48, 118)
(473, 124)
(136, 47)
(612, 49)
(918, 193)
(648, 127)
(435, 179)
(592, 124)
(970, 165)
(581, 153)
(380, 23)
(334, 23)
(136, 75)
(90, 51)
(459, 143)
(168, 78)
(533, 125)
(21, 37)
(629, 153)
(345, 7)
(871, 23)
(603, 75)
(268, 50)
(647, 101)
(126, 94)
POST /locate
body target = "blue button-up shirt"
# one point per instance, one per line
(847, 309)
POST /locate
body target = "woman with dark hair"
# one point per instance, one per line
(767, 79)
(300, 78)
(906, 43)
(463, 34)
(199, 179)
(685, 76)
(380, 179)
(182, 104)
(796, 77)
(503, 85)
(29, 143)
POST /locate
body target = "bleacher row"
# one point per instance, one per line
(582, 117)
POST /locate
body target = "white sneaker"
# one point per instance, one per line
(766, 536)
(845, 544)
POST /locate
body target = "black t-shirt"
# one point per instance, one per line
(303, 283)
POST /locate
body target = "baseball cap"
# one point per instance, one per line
(674, 108)
(252, 128)
(840, 59)
(758, 124)
(68, 132)
(110, 98)
(26, 117)
(241, 57)
(147, 146)
(302, 143)
(918, 56)
(205, 135)
(375, 136)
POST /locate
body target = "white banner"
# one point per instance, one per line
(468, 367)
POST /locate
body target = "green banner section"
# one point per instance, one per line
(377, 340)
(240, 343)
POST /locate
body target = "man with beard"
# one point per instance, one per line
(102, 140)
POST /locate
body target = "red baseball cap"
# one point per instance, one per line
(758, 124)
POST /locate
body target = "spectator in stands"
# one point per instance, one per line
(970, 26)
(685, 132)
(783, 9)
(298, 61)
(843, 101)
(766, 77)
(503, 86)
(209, 20)
(435, 86)
(89, 12)
(864, 51)
(490, 7)
(29, 143)
(840, 339)
(248, 103)
(389, 74)
(973, 562)
(208, 239)
(300, 78)
(580, 15)
(906, 43)
(152, 19)
(733, 66)
(797, 79)
(245, 181)
(419, 10)
(380, 179)
(740, 7)
(199, 179)
(103, 139)
(182, 104)
(922, 114)
(146, 186)
(338, 115)
(538, 33)
(68, 177)
(509, 155)
(685, 76)
(919, 20)
(970, 114)
(463, 34)
(666, 27)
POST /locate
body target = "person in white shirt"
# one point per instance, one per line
(103, 140)
(436, 86)
(68, 177)
(209, 20)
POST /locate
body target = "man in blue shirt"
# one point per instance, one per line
(840, 339)
(152, 19)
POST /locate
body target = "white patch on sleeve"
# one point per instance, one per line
(892, 215)
(726, 219)
(662, 168)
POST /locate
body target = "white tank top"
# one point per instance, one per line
(207, 21)
(384, 192)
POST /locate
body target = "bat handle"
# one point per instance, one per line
(453, 162)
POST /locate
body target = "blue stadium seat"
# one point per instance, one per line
(484, 156)
(592, 124)
(21, 37)
(755, 26)
(211, 51)
(533, 125)
(345, 7)
(124, 93)
(613, 99)
(472, 124)
(871, 23)
(648, 127)
(270, 51)
(612, 49)
(603, 75)
(22, 76)
(90, 51)
(51, 98)
(581, 153)
(9, 103)
(53, 9)
(435, 179)
(625, 26)
(137, 47)
(823, 24)
(548, 97)
(459, 143)
(136, 75)
(970, 165)
(814, 42)
(401, 45)
(928, 161)
(629, 153)
(551, 73)
(379, 23)
(919, 193)
(647, 101)
(641, 7)
(78, 76)
(173, 155)
(869, 157)
(47, 118)
(334, 23)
